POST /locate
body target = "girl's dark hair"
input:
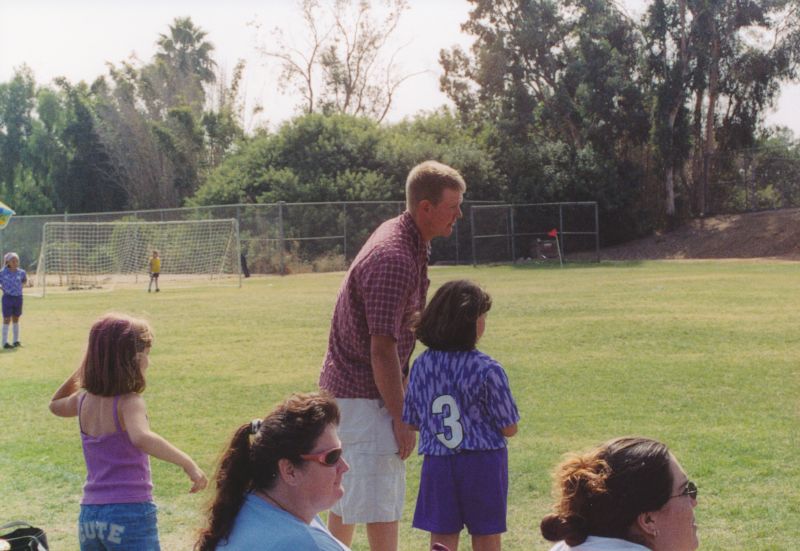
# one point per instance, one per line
(111, 366)
(601, 493)
(251, 463)
(449, 321)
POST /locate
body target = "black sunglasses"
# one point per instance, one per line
(690, 490)
(328, 458)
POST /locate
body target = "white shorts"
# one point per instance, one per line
(375, 485)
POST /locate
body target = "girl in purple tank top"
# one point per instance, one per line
(105, 393)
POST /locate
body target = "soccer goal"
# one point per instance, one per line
(103, 255)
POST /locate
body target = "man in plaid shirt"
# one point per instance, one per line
(369, 346)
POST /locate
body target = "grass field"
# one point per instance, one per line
(702, 355)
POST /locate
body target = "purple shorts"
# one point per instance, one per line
(468, 489)
(12, 306)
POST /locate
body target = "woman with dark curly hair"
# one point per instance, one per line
(275, 477)
(629, 494)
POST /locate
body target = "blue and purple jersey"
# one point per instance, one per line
(11, 282)
(459, 401)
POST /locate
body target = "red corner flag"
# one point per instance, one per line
(553, 233)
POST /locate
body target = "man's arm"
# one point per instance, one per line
(389, 379)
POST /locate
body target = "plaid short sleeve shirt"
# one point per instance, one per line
(386, 284)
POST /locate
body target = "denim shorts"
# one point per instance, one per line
(118, 526)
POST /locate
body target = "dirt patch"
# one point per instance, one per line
(769, 234)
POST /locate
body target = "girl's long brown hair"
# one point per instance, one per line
(111, 365)
(601, 493)
(250, 462)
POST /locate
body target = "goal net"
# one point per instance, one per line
(103, 255)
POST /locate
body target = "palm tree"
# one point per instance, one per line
(185, 50)
(183, 65)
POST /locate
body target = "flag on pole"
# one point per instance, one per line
(554, 234)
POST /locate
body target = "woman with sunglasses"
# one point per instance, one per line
(629, 494)
(275, 477)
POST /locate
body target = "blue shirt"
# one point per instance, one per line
(459, 401)
(260, 526)
(11, 282)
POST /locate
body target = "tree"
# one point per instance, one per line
(139, 137)
(667, 36)
(224, 122)
(32, 155)
(560, 85)
(182, 66)
(153, 120)
(343, 68)
(91, 183)
(344, 158)
(729, 58)
(17, 100)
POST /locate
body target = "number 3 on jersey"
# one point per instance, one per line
(446, 406)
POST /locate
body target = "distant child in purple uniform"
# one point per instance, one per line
(459, 400)
(105, 394)
(12, 279)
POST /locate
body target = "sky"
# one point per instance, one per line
(77, 38)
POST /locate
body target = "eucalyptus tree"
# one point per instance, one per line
(724, 59)
(668, 66)
(560, 83)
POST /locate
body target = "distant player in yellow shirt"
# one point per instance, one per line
(155, 269)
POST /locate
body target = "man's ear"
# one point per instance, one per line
(425, 206)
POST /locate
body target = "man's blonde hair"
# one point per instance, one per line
(428, 180)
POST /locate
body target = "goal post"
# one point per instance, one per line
(103, 255)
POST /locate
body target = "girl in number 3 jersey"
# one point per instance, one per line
(459, 400)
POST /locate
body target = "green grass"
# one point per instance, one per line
(702, 355)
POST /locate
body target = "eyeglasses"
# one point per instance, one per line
(690, 490)
(328, 458)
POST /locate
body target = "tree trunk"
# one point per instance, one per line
(698, 174)
(683, 60)
(713, 94)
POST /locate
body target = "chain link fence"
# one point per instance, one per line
(743, 180)
(286, 238)
(521, 232)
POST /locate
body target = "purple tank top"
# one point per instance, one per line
(116, 470)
